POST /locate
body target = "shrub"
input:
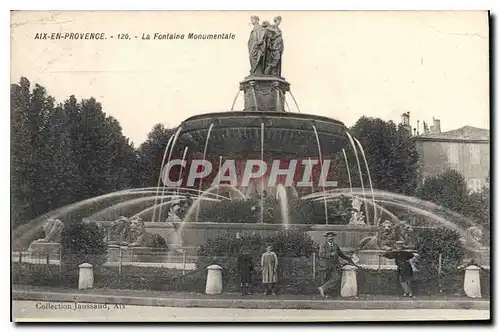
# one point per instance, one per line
(291, 243)
(83, 243)
(430, 243)
(293, 248)
(248, 211)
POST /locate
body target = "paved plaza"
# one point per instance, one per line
(27, 310)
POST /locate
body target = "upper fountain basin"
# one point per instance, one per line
(238, 132)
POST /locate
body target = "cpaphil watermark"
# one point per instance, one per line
(297, 173)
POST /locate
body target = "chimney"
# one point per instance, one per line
(436, 127)
(405, 121)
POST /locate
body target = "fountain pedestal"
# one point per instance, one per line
(472, 282)
(214, 280)
(264, 93)
(349, 286)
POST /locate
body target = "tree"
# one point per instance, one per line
(103, 156)
(150, 156)
(63, 153)
(478, 206)
(447, 189)
(21, 150)
(59, 175)
(30, 112)
(390, 153)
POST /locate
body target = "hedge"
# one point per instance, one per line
(299, 282)
(248, 211)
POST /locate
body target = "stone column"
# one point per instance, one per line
(264, 93)
(214, 280)
(349, 286)
(472, 283)
(86, 277)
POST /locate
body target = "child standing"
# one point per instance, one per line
(269, 264)
(245, 269)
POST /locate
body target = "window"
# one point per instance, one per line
(475, 154)
(475, 185)
(453, 153)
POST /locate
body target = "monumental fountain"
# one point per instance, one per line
(297, 159)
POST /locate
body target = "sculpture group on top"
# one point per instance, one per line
(265, 47)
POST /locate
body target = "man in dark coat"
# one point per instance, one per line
(330, 255)
(245, 270)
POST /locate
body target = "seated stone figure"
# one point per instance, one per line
(51, 242)
(132, 233)
(475, 251)
(473, 237)
(53, 229)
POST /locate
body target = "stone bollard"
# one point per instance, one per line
(86, 277)
(349, 286)
(214, 280)
(472, 283)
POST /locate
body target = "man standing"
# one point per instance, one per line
(269, 265)
(330, 254)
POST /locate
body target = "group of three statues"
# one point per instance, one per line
(265, 47)
(124, 231)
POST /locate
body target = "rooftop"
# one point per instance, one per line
(464, 133)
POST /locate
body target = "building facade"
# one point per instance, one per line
(466, 150)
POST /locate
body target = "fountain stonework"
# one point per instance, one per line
(166, 220)
(264, 94)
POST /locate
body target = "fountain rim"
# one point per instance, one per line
(268, 114)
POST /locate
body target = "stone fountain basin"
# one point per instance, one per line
(284, 133)
(196, 234)
(142, 254)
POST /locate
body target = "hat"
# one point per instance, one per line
(330, 233)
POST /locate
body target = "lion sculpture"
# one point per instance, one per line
(51, 243)
(53, 230)
(132, 233)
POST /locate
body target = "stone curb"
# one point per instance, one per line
(252, 303)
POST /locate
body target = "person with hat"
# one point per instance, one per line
(245, 270)
(330, 254)
(404, 267)
(269, 266)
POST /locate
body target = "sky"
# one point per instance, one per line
(343, 65)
